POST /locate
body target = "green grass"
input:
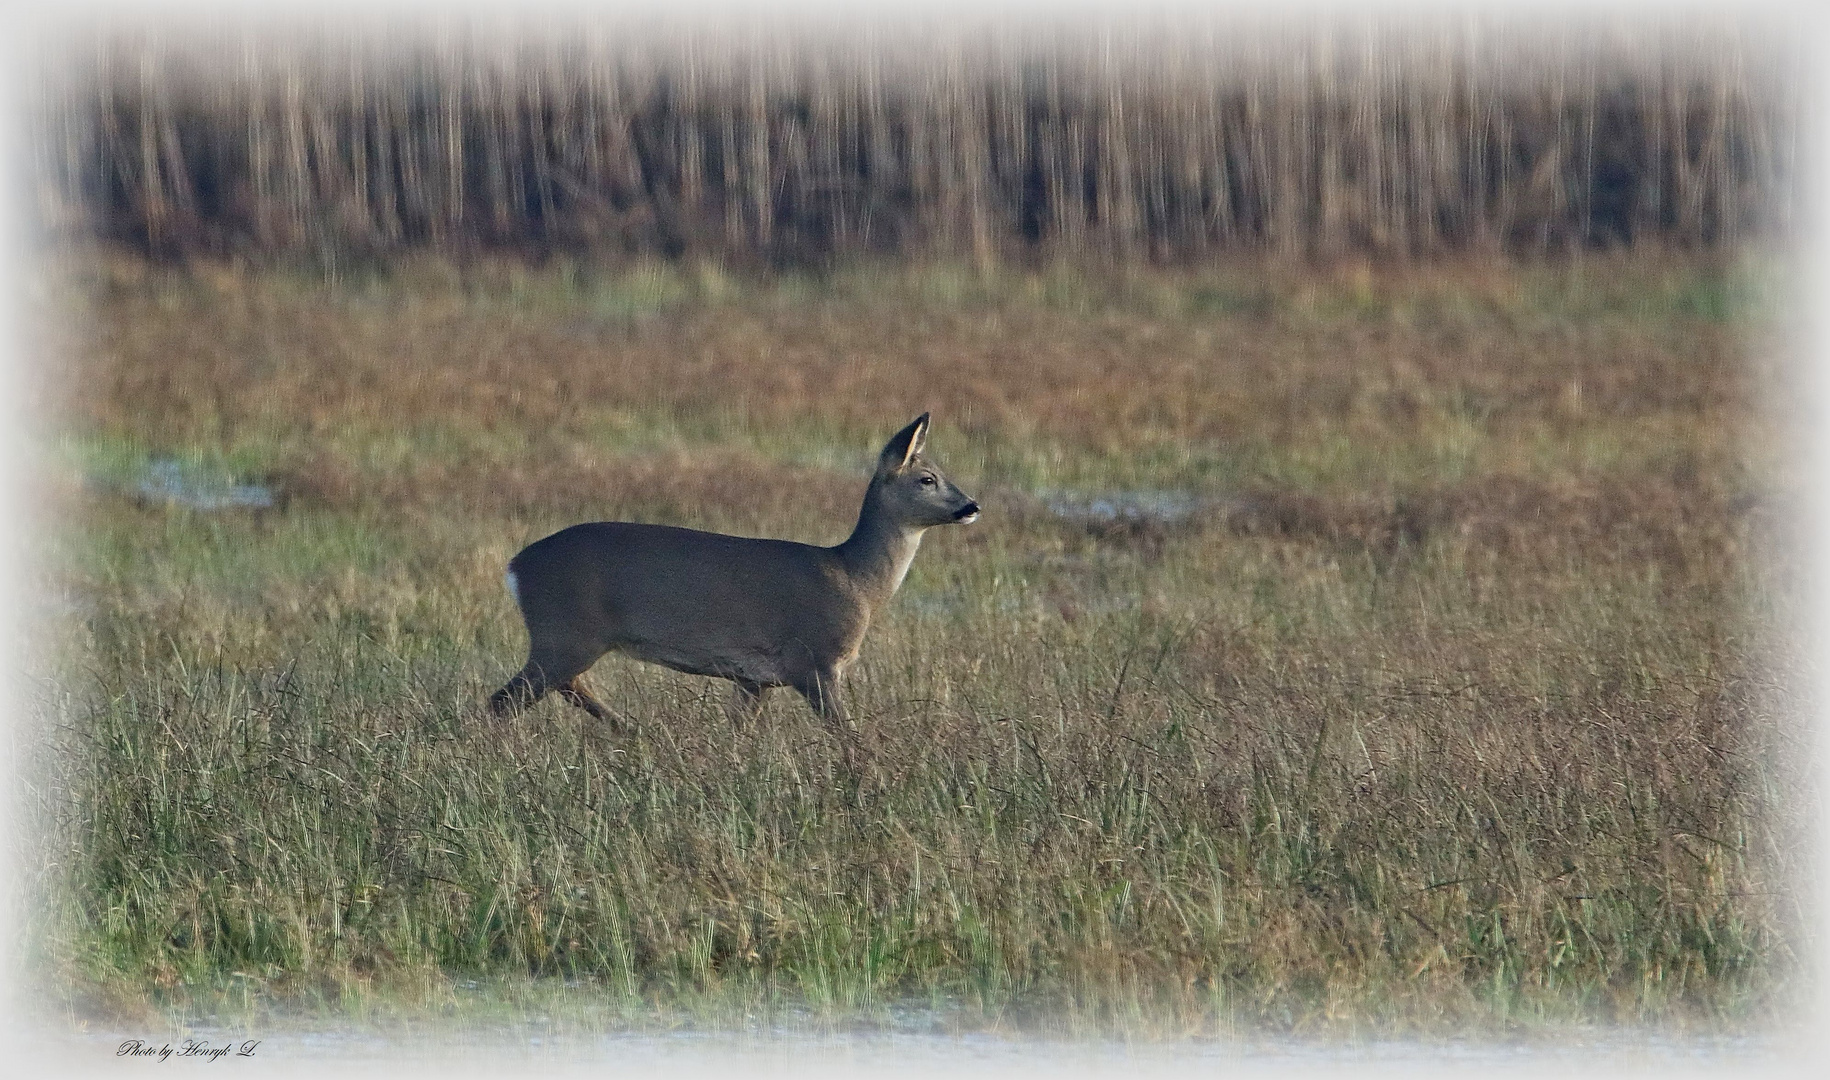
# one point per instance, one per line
(1470, 725)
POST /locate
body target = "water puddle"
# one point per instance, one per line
(178, 483)
(1143, 507)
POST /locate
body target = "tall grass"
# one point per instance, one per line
(768, 142)
(1455, 701)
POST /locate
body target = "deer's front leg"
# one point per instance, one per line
(745, 704)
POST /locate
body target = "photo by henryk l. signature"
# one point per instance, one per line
(189, 1048)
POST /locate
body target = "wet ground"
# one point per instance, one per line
(166, 480)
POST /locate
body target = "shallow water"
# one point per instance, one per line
(166, 480)
(1140, 507)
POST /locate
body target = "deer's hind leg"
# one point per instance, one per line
(550, 668)
(526, 687)
(575, 692)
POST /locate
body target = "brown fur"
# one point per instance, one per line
(761, 613)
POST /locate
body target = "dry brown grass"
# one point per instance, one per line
(1378, 353)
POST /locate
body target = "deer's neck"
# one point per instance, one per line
(879, 551)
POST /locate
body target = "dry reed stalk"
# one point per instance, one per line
(1132, 143)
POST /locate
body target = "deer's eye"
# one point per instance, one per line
(927, 480)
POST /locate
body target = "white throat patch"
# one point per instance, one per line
(900, 569)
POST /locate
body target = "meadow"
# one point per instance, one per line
(1366, 648)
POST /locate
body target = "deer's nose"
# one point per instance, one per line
(966, 513)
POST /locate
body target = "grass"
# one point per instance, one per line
(1461, 701)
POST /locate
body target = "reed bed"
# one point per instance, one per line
(1451, 695)
(779, 145)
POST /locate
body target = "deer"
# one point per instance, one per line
(760, 613)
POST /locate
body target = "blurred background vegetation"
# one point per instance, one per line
(773, 144)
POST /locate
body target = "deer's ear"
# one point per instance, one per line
(903, 446)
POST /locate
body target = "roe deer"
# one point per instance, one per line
(761, 613)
